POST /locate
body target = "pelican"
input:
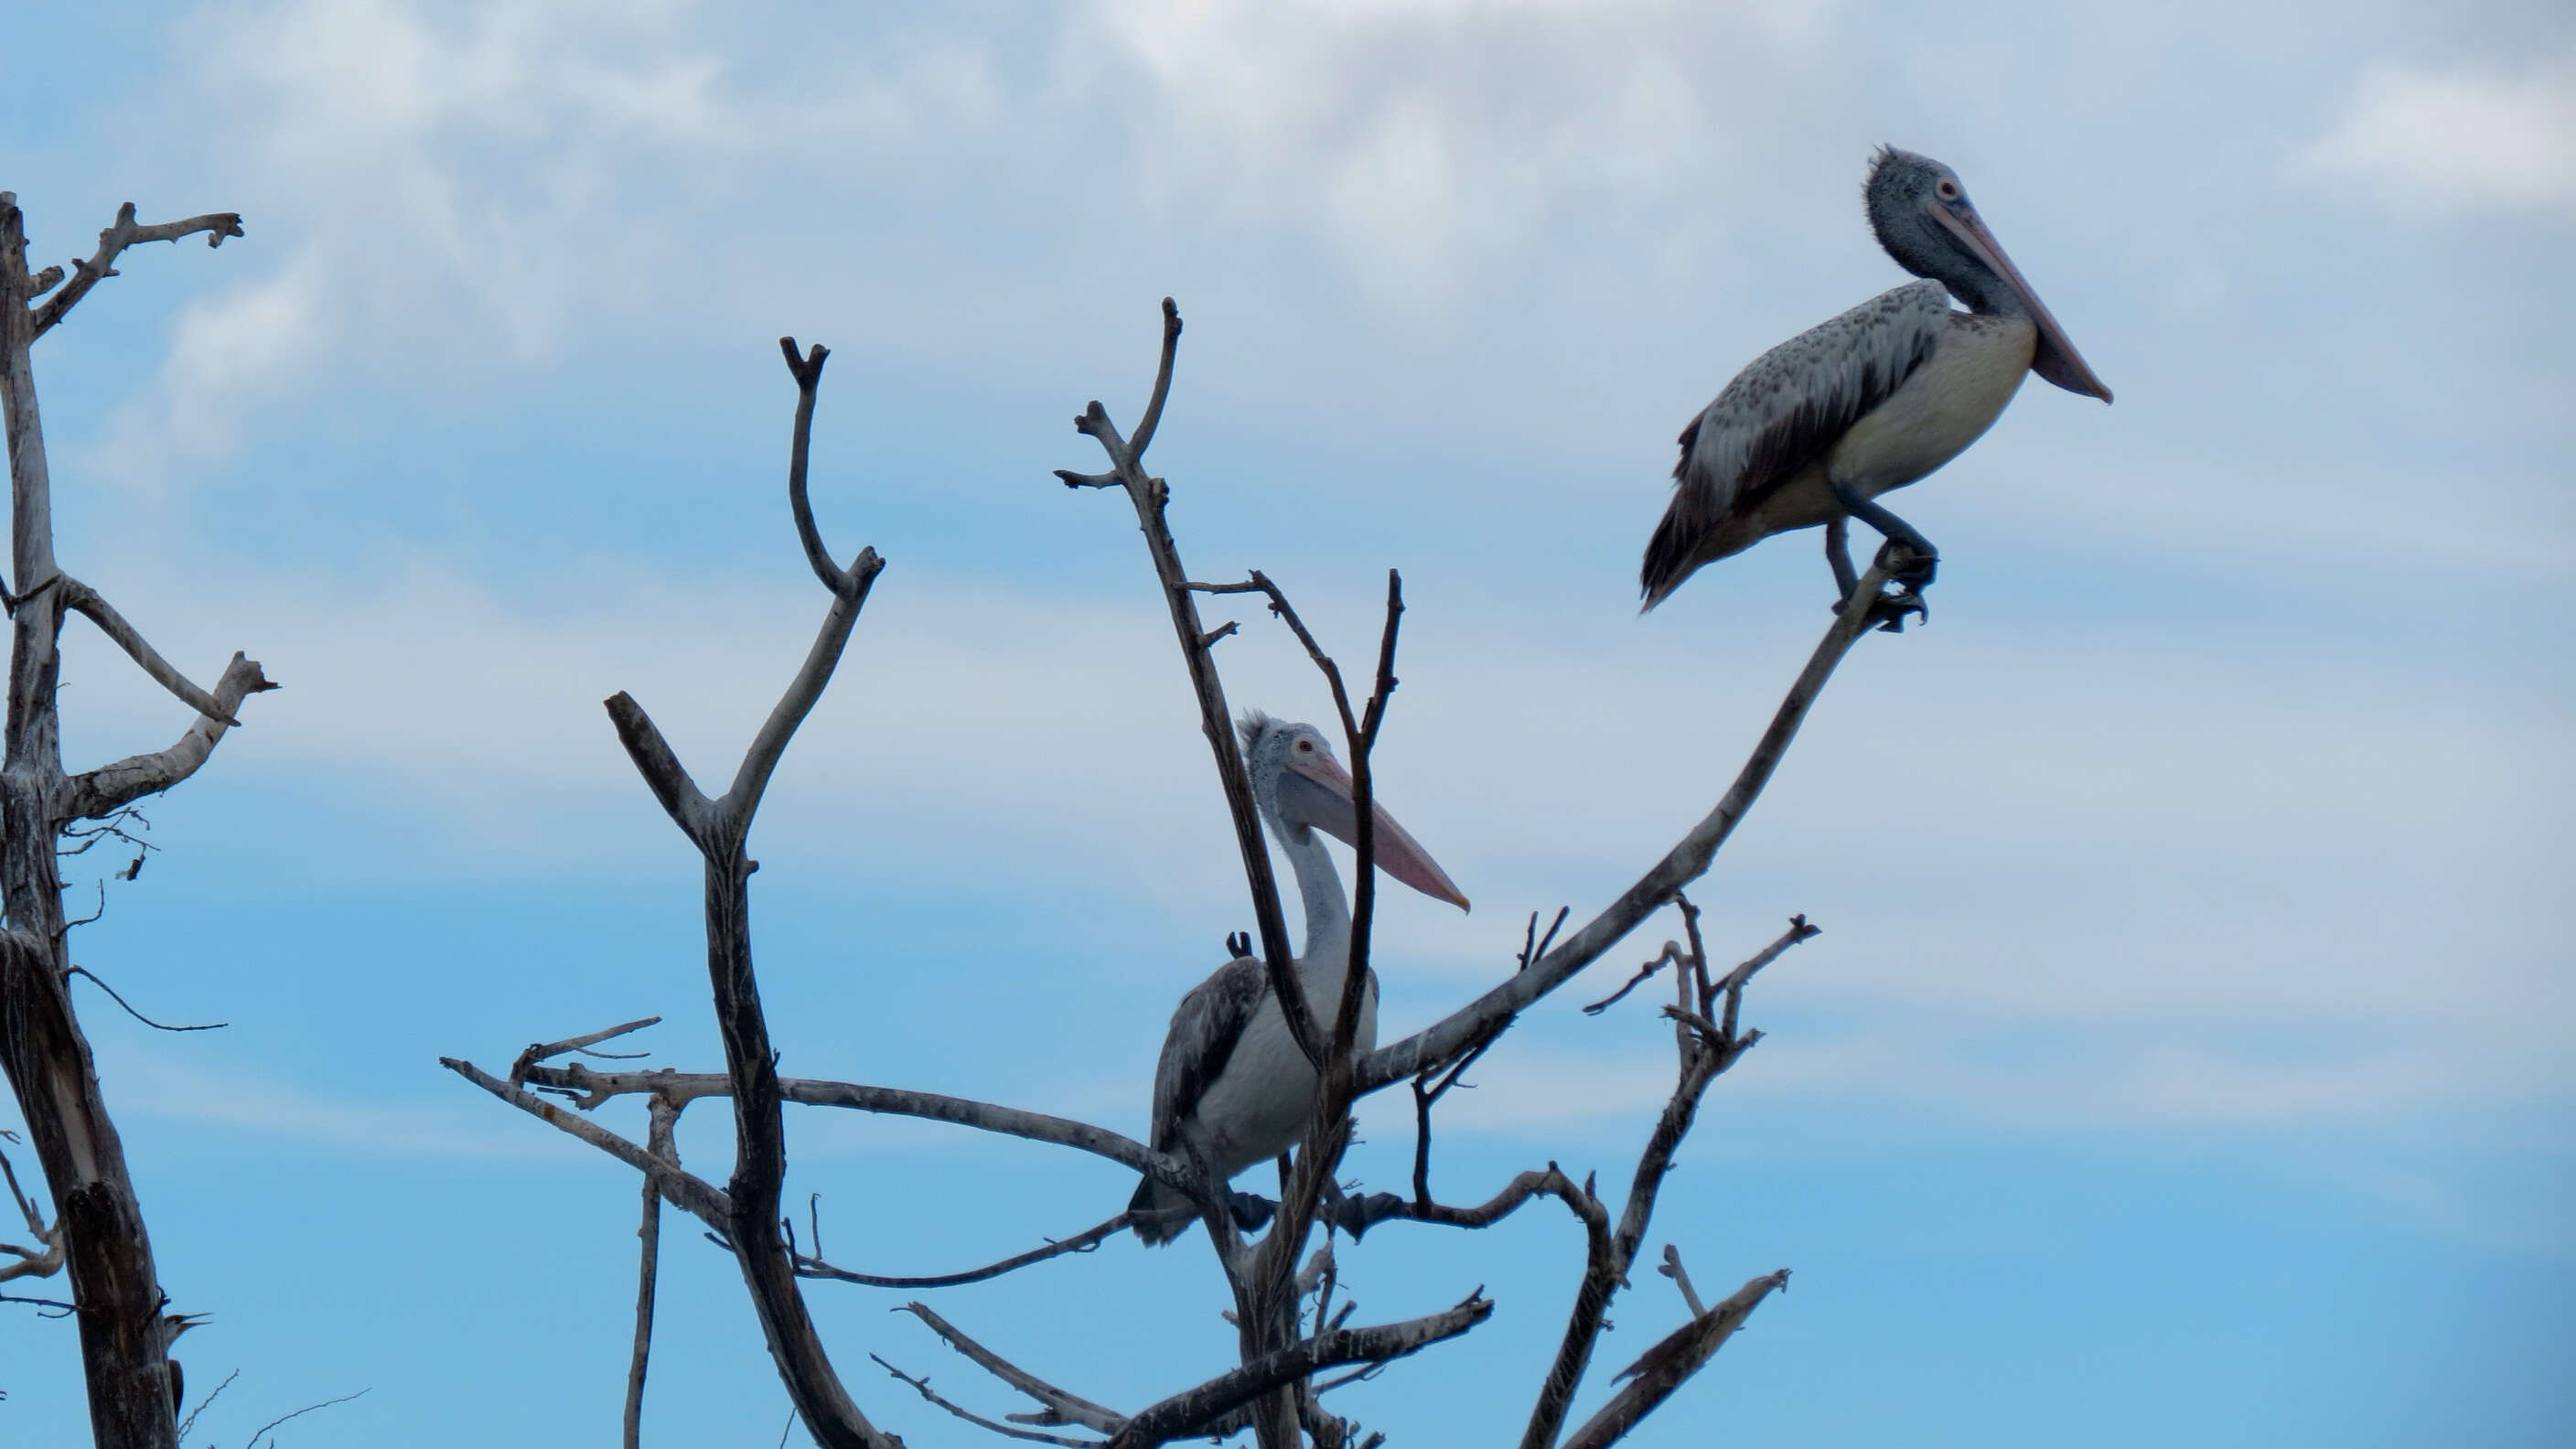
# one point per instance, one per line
(1231, 1085)
(172, 1325)
(1873, 400)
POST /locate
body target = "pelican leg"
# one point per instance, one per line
(1838, 554)
(1250, 1210)
(1909, 558)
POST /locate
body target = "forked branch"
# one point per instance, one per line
(112, 787)
(112, 243)
(81, 599)
(1670, 1363)
(1149, 496)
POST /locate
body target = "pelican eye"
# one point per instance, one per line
(1949, 189)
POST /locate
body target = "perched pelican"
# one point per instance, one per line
(1872, 400)
(1231, 1082)
(172, 1325)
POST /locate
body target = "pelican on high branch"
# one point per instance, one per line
(1880, 396)
(1232, 1088)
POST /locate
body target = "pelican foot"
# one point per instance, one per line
(1910, 562)
(1888, 611)
(1250, 1210)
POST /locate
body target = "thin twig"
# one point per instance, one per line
(1533, 945)
(660, 1140)
(1035, 1436)
(139, 1016)
(1069, 1408)
(35, 1221)
(65, 1309)
(597, 1087)
(812, 1266)
(1671, 955)
(300, 1413)
(1732, 985)
(1150, 496)
(190, 1422)
(1183, 1414)
(1669, 1364)
(1672, 1268)
(699, 1198)
(543, 1050)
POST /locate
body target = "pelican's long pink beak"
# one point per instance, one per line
(1398, 853)
(2057, 360)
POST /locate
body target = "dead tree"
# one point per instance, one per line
(1292, 1339)
(97, 1232)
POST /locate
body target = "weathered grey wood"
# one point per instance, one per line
(99, 1223)
(1685, 862)
(1151, 498)
(718, 829)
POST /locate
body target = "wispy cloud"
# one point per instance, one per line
(241, 1099)
(2448, 138)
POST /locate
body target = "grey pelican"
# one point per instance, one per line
(1871, 401)
(172, 1325)
(1231, 1084)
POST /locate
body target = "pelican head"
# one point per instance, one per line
(1924, 219)
(1301, 788)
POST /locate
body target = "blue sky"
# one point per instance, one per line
(2187, 1050)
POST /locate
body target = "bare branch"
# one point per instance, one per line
(1732, 986)
(62, 1309)
(1066, 1408)
(1382, 1207)
(1672, 1268)
(1427, 1093)
(663, 774)
(1035, 1436)
(1153, 418)
(85, 601)
(685, 1191)
(1184, 1414)
(752, 779)
(1534, 945)
(809, 376)
(1672, 955)
(253, 1441)
(1681, 865)
(27, 1209)
(112, 787)
(598, 1087)
(660, 1141)
(42, 1262)
(102, 985)
(1705, 1054)
(114, 240)
(544, 1050)
(1149, 496)
(217, 1392)
(812, 1266)
(1670, 1364)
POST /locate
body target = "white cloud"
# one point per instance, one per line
(2146, 869)
(2436, 139)
(149, 1086)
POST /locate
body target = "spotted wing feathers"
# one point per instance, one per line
(1780, 414)
(1205, 1027)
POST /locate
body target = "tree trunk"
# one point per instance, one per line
(108, 1253)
